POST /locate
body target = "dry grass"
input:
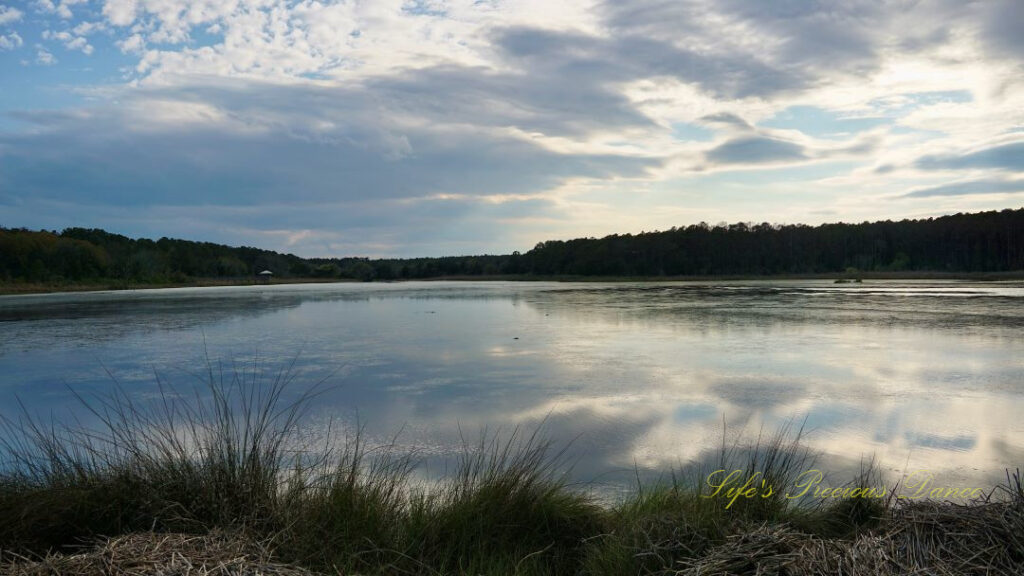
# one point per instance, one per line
(919, 538)
(948, 538)
(153, 554)
(916, 538)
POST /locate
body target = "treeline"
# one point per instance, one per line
(91, 255)
(981, 242)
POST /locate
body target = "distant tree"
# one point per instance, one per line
(326, 271)
(361, 271)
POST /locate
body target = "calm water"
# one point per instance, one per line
(639, 376)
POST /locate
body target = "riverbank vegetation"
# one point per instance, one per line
(981, 243)
(225, 476)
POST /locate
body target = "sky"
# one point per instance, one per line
(430, 128)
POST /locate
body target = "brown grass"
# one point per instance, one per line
(920, 538)
(153, 554)
(917, 538)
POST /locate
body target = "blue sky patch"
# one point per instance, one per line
(691, 132)
(821, 123)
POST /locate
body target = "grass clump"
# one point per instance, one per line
(508, 505)
(700, 508)
(182, 463)
(347, 515)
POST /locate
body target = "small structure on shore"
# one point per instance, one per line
(264, 277)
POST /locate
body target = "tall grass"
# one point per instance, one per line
(231, 456)
(507, 503)
(693, 512)
(183, 462)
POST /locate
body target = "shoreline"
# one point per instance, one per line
(11, 289)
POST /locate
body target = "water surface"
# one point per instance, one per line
(639, 377)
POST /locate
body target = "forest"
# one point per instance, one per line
(962, 243)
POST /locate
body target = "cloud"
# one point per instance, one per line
(61, 9)
(10, 41)
(538, 101)
(85, 28)
(337, 158)
(1005, 157)
(727, 119)
(102, 164)
(9, 15)
(1002, 28)
(968, 188)
(798, 40)
(70, 41)
(818, 34)
(120, 12)
(611, 59)
(133, 44)
(756, 150)
(44, 58)
(468, 115)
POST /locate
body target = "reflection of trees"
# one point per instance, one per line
(110, 317)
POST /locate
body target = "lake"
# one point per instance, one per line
(637, 378)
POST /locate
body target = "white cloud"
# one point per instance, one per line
(86, 28)
(70, 41)
(120, 12)
(171, 21)
(79, 44)
(9, 15)
(133, 44)
(44, 58)
(10, 41)
(61, 9)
